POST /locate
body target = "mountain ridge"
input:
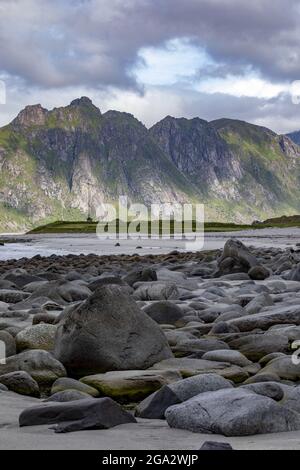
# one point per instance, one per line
(60, 163)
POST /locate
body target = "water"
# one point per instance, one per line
(64, 244)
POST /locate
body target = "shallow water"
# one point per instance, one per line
(64, 244)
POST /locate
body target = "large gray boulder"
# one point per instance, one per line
(109, 332)
(230, 412)
(89, 413)
(154, 406)
(236, 258)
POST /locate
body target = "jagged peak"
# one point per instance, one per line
(31, 115)
(84, 100)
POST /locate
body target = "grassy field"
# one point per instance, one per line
(90, 227)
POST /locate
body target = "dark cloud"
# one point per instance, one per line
(95, 42)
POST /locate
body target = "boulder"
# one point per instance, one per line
(156, 291)
(258, 273)
(41, 365)
(258, 303)
(294, 275)
(256, 346)
(154, 406)
(140, 275)
(67, 395)
(109, 332)
(227, 355)
(130, 386)
(11, 296)
(213, 445)
(164, 312)
(65, 383)
(229, 412)
(236, 258)
(20, 382)
(91, 413)
(281, 368)
(288, 314)
(39, 336)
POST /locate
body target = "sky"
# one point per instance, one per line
(153, 58)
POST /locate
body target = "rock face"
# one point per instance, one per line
(90, 413)
(109, 332)
(232, 413)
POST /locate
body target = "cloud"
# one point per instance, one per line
(175, 56)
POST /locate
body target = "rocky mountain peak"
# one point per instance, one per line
(85, 103)
(34, 115)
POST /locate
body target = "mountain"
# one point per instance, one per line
(56, 164)
(295, 137)
(243, 171)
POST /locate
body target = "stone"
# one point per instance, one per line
(288, 314)
(66, 383)
(164, 312)
(235, 258)
(11, 296)
(140, 275)
(90, 413)
(156, 291)
(256, 346)
(227, 355)
(62, 292)
(294, 275)
(188, 367)
(20, 382)
(67, 395)
(269, 357)
(109, 332)
(291, 399)
(41, 365)
(282, 368)
(258, 303)
(130, 386)
(154, 406)
(213, 445)
(104, 281)
(39, 336)
(228, 412)
(258, 273)
(268, 389)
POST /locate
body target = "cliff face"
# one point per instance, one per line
(55, 164)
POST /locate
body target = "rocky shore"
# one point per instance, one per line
(188, 342)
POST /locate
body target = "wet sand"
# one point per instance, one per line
(63, 244)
